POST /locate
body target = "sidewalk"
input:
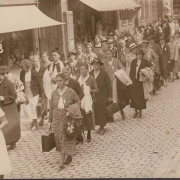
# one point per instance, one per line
(142, 148)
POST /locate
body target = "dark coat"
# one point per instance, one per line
(104, 91)
(12, 132)
(166, 32)
(34, 81)
(148, 33)
(136, 90)
(73, 84)
(163, 60)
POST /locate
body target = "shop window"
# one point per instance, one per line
(131, 17)
(124, 22)
(147, 9)
(142, 10)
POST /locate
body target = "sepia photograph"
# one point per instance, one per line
(89, 89)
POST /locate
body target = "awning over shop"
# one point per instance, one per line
(111, 5)
(18, 18)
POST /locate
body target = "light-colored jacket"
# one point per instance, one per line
(147, 77)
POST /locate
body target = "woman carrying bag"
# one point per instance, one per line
(103, 96)
(62, 98)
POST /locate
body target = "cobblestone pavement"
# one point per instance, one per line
(147, 147)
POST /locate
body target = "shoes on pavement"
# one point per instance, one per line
(11, 147)
(41, 122)
(61, 167)
(68, 160)
(135, 115)
(34, 128)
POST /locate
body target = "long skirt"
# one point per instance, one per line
(177, 66)
(29, 112)
(100, 106)
(157, 81)
(12, 132)
(137, 96)
(63, 144)
(88, 121)
(5, 165)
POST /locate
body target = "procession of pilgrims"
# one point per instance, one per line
(96, 81)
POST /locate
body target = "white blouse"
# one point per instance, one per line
(28, 76)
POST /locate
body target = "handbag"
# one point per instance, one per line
(70, 128)
(112, 109)
(48, 141)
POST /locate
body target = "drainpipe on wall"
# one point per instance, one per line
(64, 7)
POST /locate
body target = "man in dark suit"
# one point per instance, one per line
(73, 84)
(166, 30)
(148, 32)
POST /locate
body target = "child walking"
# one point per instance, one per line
(5, 165)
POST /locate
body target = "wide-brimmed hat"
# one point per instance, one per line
(71, 53)
(56, 50)
(109, 41)
(89, 44)
(110, 34)
(140, 51)
(145, 41)
(103, 39)
(97, 60)
(132, 46)
(3, 70)
(151, 37)
(141, 26)
(122, 42)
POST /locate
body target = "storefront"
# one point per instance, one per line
(87, 21)
(19, 29)
(92, 16)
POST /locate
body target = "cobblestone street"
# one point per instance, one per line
(147, 147)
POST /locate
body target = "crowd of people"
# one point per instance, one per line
(118, 70)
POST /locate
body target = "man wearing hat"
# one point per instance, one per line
(166, 30)
(129, 40)
(100, 47)
(138, 101)
(141, 30)
(7, 102)
(148, 31)
(55, 67)
(163, 59)
(73, 64)
(110, 43)
(104, 95)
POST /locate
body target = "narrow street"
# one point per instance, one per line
(148, 147)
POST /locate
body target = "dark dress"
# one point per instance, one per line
(163, 61)
(136, 89)
(104, 91)
(89, 119)
(12, 131)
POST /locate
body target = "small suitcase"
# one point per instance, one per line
(112, 109)
(48, 142)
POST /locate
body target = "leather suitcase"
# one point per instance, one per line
(48, 142)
